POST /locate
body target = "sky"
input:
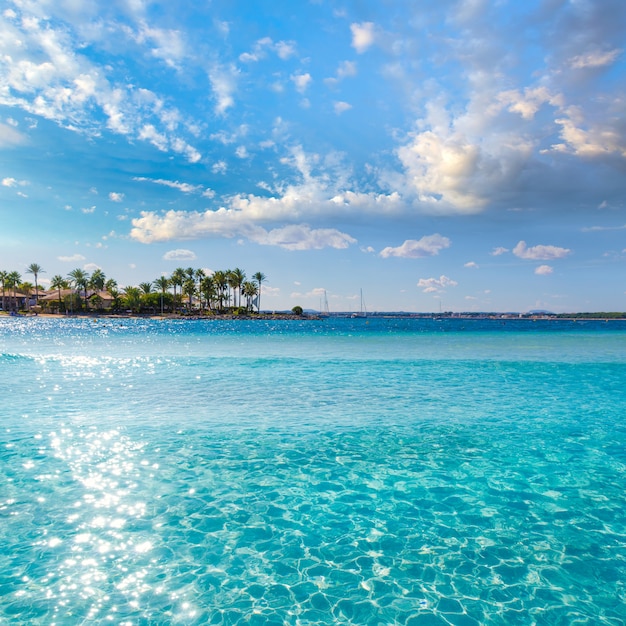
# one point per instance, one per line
(456, 155)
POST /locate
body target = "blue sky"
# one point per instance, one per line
(468, 155)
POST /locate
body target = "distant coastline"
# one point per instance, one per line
(314, 315)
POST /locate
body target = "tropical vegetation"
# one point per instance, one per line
(186, 291)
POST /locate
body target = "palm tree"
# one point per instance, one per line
(189, 289)
(249, 290)
(111, 285)
(220, 280)
(97, 280)
(13, 279)
(79, 278)
(162, 283)
(58, 282)
(208, 290)
(259, 277)
(199, 275)
(35, 270)
(146, 288)
(115, 295)
(177, 279)
(132, 298)
(235, 280)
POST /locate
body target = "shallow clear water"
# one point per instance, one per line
(318, 472)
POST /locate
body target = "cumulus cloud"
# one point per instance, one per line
(430, 245)
(363, 36)
(436, 285)
(301, 81)
(540, 252)
(116, 197)
(450, 172)
(543, 270)
(471, 265)
(179, 255)
(498, 251)
(316, 196)
(71, 259)
(528, 102)
(590, 139)
(151, 227)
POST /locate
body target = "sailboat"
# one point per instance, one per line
(362, 311)
(324, 311)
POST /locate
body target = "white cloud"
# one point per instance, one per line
(363, 36)
(498, 251)
(449, 172)
(544, 270)
(436, 285)
(429, 245)
(186, 188)
(346, 69)
(149, 133)
(540, 252)
(219, 167)
(302, 237)
(88, 210)
(528, 103)
(12, 182)
(51, 77)
(71, 259)
(179, 255)
(301, 81)
(593, 229)
(151, 227)
(341, 107)
(116, 197)
(471, 265)
(90, 267)
(597, 58)
(314, 197)
(167, 45)
(317, 292)
(284, 50)
(590, 139)
(223, 81)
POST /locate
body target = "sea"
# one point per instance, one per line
(330, 471)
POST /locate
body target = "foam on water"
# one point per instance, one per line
(305, 473)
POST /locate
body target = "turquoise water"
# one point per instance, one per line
(320, 472)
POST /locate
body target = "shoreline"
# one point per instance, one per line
(503, 317)
(126, 316)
